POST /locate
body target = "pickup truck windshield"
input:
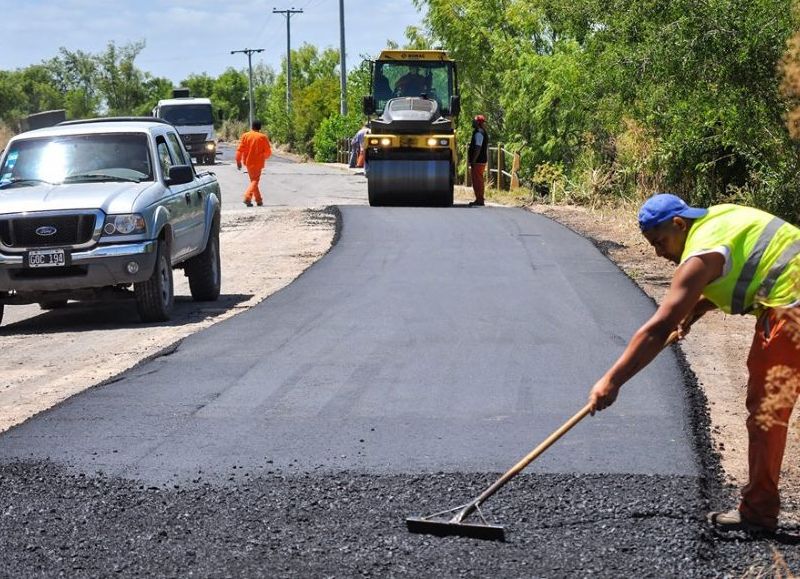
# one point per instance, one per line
(77, 158)
(192, 115)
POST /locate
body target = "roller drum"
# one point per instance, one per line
(410, 182)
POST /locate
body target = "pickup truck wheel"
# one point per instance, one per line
(155, 297)
(53, 305)
(204, 272)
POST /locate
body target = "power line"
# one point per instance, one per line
(249, 52)
(264, 27)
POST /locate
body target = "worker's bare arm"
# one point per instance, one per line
(682, 299)
(701, 308)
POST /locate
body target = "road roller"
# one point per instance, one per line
(410, 150)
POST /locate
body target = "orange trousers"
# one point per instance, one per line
(253, 192)
(478, 186)
(772, 346)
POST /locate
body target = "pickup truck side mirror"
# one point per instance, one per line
(180, 174)
(455, 105)
(368, 105)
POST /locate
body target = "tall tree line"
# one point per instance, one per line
(110, 83)
(83, 84)
(624, 97)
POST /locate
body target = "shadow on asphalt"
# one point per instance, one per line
(117, 314)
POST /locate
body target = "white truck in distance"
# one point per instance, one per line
(194, 120)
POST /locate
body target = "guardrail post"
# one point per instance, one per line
(343, 148)
(499, 166)
(515, 170)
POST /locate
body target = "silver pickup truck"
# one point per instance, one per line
(106, 208)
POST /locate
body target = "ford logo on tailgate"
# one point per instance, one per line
(46, 230)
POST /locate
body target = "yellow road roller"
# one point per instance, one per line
(410, 150)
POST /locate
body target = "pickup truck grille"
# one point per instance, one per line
(47, 231)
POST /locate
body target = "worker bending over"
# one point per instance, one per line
(742, 261)
(253, 151)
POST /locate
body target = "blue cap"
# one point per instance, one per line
(663, 207)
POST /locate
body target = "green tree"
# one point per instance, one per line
(263, 85)
(675, 95)
(155, 89)
(315, 97)
(42, 94)
(119, 81)
(75, 76)
(200, 85)
(230, 94)
(13, 100)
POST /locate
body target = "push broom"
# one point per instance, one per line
(453, 521)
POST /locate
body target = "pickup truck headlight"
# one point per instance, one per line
(130, 224)
(210, 146)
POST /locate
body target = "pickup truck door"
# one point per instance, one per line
(194, 196)
(175, 200)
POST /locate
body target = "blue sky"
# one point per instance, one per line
(195, 36)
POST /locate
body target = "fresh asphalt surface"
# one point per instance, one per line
(426, 353)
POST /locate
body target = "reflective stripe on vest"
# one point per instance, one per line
(786, 256)
(763, 259)
(750, 266)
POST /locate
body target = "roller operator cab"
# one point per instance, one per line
(411, 147)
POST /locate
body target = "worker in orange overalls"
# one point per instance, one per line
(253, 152)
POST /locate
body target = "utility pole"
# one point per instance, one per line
(342, 65)
(249, 52)
(288, 13)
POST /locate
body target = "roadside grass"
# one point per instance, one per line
(231, 129)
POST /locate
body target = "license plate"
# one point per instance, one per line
(46, 258)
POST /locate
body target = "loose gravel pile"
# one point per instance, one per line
(53, 522)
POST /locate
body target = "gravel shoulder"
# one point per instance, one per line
(52, 355)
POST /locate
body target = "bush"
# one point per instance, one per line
(231, 130)
(327, 137)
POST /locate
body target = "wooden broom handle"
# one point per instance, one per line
(548, 442)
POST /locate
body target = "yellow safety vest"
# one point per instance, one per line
(764, 253)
